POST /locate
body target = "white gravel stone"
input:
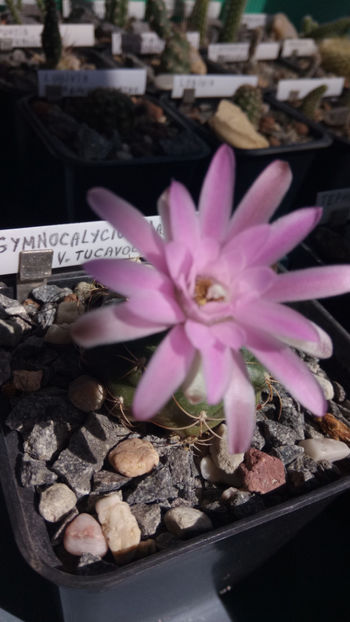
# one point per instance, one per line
(325, 449)
(326, 387)
(56, 501)
(84, 535)
(133, 457)
(68, 311)
(220, 454)
(212, 473)
(184, 520)
(86, 393)
(119, 526)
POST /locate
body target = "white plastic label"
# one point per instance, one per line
(210, 85)
(136, 8)
(29, 35)
(254, 20)
(228, 51)
(151, 43)
(299, 47)
(267, 51)
(303, 86)
(72, 243)
(193, 37)
(116, 43)
(78, 83)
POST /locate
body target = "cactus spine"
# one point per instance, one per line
(233, 11)
(117, 12)
(50, 36)
(311, 102)
(198, 19)
(249, 99)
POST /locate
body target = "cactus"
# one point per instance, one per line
(176, 55)
(249, 99)
(178, 16)
(335, 54)
(311, 101)
(308, 24)
(117, 12)
(232, 15)
(14, 11)
(198, 19)
(41, 6)
(105, 110)
(157, 17)
(50, 36)
(337, 28)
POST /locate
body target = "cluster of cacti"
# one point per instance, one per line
(105, 110)
(176, 55)
(337, 28)
(232, 16)
(157, 17)
(335, 54)
(117, 12)
(249, 99)
(311, 102)
(198, 19)
(50, 36)
(14, 11)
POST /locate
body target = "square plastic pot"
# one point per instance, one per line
(181, 583)
(59, 181)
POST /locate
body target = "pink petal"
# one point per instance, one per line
(183, 215)
(112, 324)
(290, 370)
(262, 198)
(216, 198)
(239, 406)
(322, 349)
(287, 232)
(310, 283)
(179, 259)
(248, 244)
(156, 306)
(252, 283)
(217, 369)
(229, 334)
(199, 334)
(128, 277)
(165, 372)
(129, 221)
(276, 319)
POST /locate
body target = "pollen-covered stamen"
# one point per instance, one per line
(207, 290)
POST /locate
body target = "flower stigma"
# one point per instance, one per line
(207, 290)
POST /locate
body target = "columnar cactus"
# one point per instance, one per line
(117, 12)
(176, 55)
(198, 19)
(178, 16)
(13, 11)
(249, 99)
(311, 102)
(233, 11)
(157, 17)
(337, 28)
(50, 36)
(335, 54)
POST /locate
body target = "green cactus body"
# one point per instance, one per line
(198, 19)
(308, 24)
(176, 55)
(335, 54)
(50, 36)
(178, 16)
(105, 110)
(233, 12)
(157, 17)
(310, 103)
(117, 12)
(13, 11)
(41, 6)
(249, 99)
(337, 28)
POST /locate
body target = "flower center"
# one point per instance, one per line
(207, 290)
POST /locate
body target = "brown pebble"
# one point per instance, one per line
(334, 428)
(274, 142)
(156, 113)
(30, 301)
(86, 393)
(267, 124)
(71, 298)
(26, 380)
(301, 128)
(260, 472)
(133, 457)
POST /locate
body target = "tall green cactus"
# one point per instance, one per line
(157, 17)
(198, 19)
(233, 11)
(50, 36)
(117, 12)
(310, 103)
(337, 28)
(14, 11)
(178, 16)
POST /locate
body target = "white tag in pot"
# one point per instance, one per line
(298, 47)
(228, 51)
(299, 88)
(79, 83)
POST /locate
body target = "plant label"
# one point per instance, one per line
(29, 35)
(228, 51)
(151, 43)
(210, 85)
(193, 38)
(79, 83)
(301, 87)
(267, 51)
(254, 20)
(298, 47)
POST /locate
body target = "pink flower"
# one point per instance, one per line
(212, 286)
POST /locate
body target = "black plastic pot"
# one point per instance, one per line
(62, 198)
(181, 583)
(251, 162)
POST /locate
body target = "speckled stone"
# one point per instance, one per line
(56, 501)
(156, 487)
(148, 517)
(287, 453)
(50, 293)
(184, 521)
(35, 472)
(277, 434)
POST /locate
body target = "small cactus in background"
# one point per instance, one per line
(337, 28)
(232, 16)
(176, 55)
(310, 103)
(105, 110)
(249, 99)
(198, 19)
(41, 6)
(117, 12)
(308, 24)
(14, 11)
(178, 16)
(335, 54)
(50, 36)
(157, 17)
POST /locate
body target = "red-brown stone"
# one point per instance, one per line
(261, 472)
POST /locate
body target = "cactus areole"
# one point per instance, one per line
(210, 285)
